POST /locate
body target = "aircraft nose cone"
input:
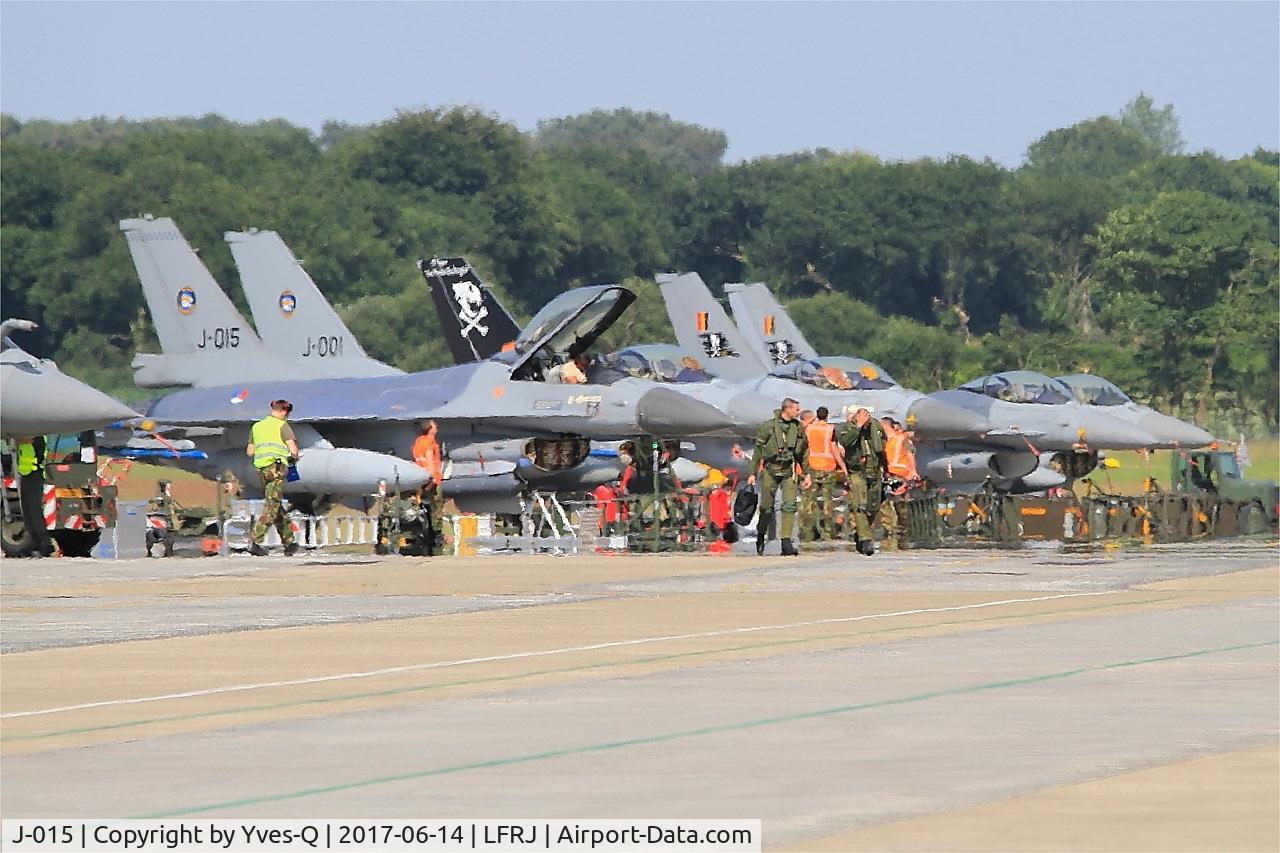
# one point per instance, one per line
(1171, 432)
(53, 402)
(941, 420)
(662, 411)
(1103, 432)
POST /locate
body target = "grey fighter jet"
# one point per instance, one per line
(839, 384)
(36, 398)
(1026, 413)
(294, 320)
(1090, 390)
(501, 410)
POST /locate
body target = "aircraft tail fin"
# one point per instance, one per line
(187, 306)
(203, 338)
(704, 329)
(768, 328)
(296, 322)
(475, 324)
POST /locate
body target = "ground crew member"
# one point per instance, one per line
(273, 448)
(780, 450)
(862, 441)
(901, 475)
(426, 453)
(28, 461)
(607, 509)
(824, 463)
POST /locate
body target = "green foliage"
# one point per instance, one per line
(1160, 127)
(1100, 148)
(677, 144)
(1108, 250)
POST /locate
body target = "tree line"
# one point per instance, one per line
(1108, 249)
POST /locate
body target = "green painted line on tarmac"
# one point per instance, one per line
(497, 679)
(698, 732)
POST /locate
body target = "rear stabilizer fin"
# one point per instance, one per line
(296, 322)
(703, 328)
(476, 325)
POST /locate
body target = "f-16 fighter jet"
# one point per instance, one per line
(1025, 412)
(1090, 390)
(840, 384)
(502, 410)
(36, 398)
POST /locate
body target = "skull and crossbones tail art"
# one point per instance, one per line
(471, 309)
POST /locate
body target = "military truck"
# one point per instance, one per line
(1217, 471)
(77, 505)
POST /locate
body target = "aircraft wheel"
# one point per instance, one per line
(16, 540)
(1251, 518)
(76, 543)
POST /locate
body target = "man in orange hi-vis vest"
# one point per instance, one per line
(901, 474)
(824, 463)
(426, 453)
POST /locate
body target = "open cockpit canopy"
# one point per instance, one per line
(570, 324)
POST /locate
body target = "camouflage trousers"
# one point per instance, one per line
(818, 522)
(889, 521)
(272, 507)
(771, 482)
(864, 502)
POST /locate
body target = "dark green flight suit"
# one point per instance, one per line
(780, 445)
(864, 457)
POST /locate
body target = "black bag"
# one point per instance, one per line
(744, 505)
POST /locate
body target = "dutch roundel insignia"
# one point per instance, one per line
(186, 300)
(288, 303)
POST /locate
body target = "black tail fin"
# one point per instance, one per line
(474, 321)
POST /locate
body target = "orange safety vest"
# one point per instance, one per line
(606, 503)
(426, 452)
(902, 462)
(822, 454)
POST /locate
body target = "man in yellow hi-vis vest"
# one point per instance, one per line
(273, 446)
(28, 459)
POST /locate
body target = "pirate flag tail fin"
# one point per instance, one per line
(704, 330)
(475, 324)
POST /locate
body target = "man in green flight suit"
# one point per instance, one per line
(862, 440)
(780, 449)
(273, 447)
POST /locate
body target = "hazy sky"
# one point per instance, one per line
(900, 80)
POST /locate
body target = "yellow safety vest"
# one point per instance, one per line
(268, 443)
(27, 460)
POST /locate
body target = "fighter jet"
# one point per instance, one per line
(1027, 413)
(501, 410)
(1090, 390)
(839, 384)
(294, 320)
(36, 398)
